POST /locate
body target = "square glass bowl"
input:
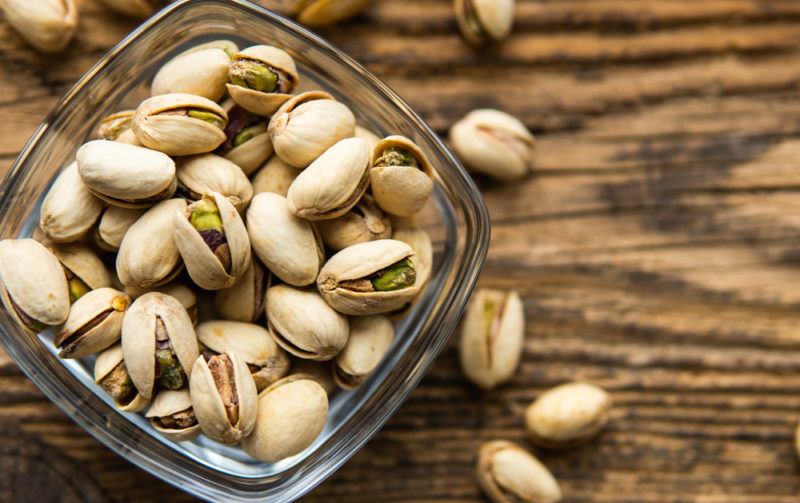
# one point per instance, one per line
(457, 220)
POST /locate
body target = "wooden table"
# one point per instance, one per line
(656, 250)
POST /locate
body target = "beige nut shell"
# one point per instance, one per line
(201, 70)
(206, 173)
(401, 190)
(69, 209)
(104, 304)
(568, 415)
(370, 338)
(169, 402)
(508, 473)
(258, 102)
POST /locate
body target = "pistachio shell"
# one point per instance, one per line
(113, 126)
(148, 257)
(134, 8)
(307, 125)
(34, 285)
(420, 241)
(129, 137)
(333, 183)
(368, 136)
(319, 371)
(82, 262)
(401, 190)
(204, 266)
(492, 335)
(291, 414)
(201, 70)
(507, 473)
(206, 173)
(484, 21)
(68, 209)
(262, 103)
(275, 176)
(126, 175)
(328, 12)
(158, 128)
(244, 301)
(114, 223)
(93, 324)
(303, 324)
(364, 222)
(48, 25)
(370, 337)
(167, 403)
(568, 415)
(285, 243)
(179, 291)
(104, 365)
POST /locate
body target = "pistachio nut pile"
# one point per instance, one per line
(230, 251)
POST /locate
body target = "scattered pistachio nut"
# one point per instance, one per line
(364, 222)
(262, 78)
(69, 209)
(568, 415)
(247, 142)
(484, 21)
(370, 338)
(319, 13)
(244, 301)
(507, 473)
(201, 71)
(275, 176)
(172, 415)
(112, 375)
(114, 222)
(206, 173)
(47, 25)
(83, 268)
(94, 323)
(401, 177)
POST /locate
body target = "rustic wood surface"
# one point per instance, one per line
(656, 250)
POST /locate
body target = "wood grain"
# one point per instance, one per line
(655, 249)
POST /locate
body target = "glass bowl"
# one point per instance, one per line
(456, 218)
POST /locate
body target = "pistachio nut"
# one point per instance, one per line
(206, 173)
(368, 136)
(112, 375)
(148, 256)
(266, 361)
(247, 142)
(135, 8)
(364, 222)
(369, 278)
(201, 71)
(275, 176)
(172, 415)
(370, 337)
(69, 209)
(93, 324)
(113, 224)
(48, 25)
(34, 288)
(286, 244)
(212, 240)
(307, 125)
(158, 343)
(327, 12)
(244, 301)
(492, 335)
(401, 177)
(83, 268)
(262, 78)
(224, 396)
(126, 175)
(319, 371)
(333, 183)
(179, 291)
(484, 21)
(493, 143)
(291, 414)
(117, 127)
(568, 415)
(507, 473)
(303, 324)
(180, 124)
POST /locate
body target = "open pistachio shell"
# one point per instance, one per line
(112, 375)
(568, 415)
(307, 125)
(291, 414)
(244, 301)
(201, 70)
(303, 324)
(206, 173)
(247, 141)
(401, 177)
(369, 278)
(252, 69)
(484, 21)
(179, 291)
(275, 176)
(83, 268)
(69, 209)
(148, 256)
(113, 127)
(93, 324)
(286, 244)
(172, 415)
(507, 473)
(113, 224)
(364, 222)
(126, 175)
(319, 371)
(180, 124)
(328, 12)
(370, 337)
(34, 288)
(48, 25)
(333, 183)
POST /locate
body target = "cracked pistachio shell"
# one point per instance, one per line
(35, 290)
(307, 125)
(254, 152)
(105, 363)
(204, 266)
(493, 143)
(291, 414)
(370, 337)
(484, 21)
(224, 397)
(319, 371)
(364, 222)
(158, 127)
(275, 176)
(244, 301)
(303, 324)
(507, 473)
(492, 335)
(201, 71)
(206, 173)
(82, 262)
(568, 415)
(148, 256)
(113, 224)
(133, 8)
(401, 190)
(179, 291)
(266, 103)
(356, 263)
(126, 175)
(139, 338)
(48, 25)
(69, 209)
(167, 403)
(252, 342)
(286, 244)
(93, 324)
(328, 12)
(333, 183)
(117, 127)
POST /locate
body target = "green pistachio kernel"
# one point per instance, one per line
(170, 372)
(77, 289)
(395, 277)
(253, 75)
(249, 133)
(395, 156)
(206, 116)
(205, 216)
